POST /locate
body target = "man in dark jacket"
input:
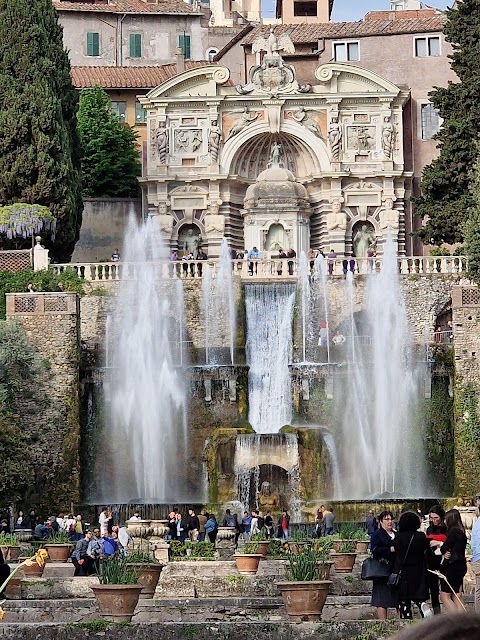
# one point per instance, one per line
(371, 523)
(193, 525)
(80, 559)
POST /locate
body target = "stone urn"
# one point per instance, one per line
(23, 535)
(139, 528)
(304, 601)
(117, 602)
(159, 528)
(247, 563)
(58, 552)
(362, 546)
(226, 533)
(344, 562)
(262, 547)
(149, 575)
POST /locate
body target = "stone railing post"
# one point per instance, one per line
(40, 256)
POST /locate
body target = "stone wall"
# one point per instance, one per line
(51, 419)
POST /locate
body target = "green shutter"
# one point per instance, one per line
(93, 44)
(184, 45)
(135, 45)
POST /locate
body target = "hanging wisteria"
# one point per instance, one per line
(22, 220)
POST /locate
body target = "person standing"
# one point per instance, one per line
(254, 257)
(102, 520)
(211, 528)
(329, 520)
(475, 543)
(454, 565)
(411, 563)
(436, 532)
(269, 525)
(193, 525)
(180, 528)
(291, 254)
(246, 525)
(79, 528)
(371, 523)
(382, 548)
(319, 522)
(283, 525)
(332, 256)
(4, 573)
(202, 520)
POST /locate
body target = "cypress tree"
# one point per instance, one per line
(446, 184)
(111, 161)
(472, 229)
(39, 146)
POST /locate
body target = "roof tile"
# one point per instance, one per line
(127, 6)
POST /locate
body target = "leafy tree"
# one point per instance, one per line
(472, 230)
(39, 146)
(111, 161)
(446, 190)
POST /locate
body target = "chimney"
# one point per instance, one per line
(180, 60)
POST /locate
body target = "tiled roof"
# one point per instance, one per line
(241, 34)
(306, 33)
(127, 6)
(128, 77)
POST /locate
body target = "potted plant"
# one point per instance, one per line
(247, 562)
(262, 544)
(363, 540)
(10, 546)
(344, 558)
(305, 592)
(148, 568)
(346, 533)
(118, 592)
(298, 539)
(323, 548)
(58, 547)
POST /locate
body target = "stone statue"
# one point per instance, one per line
(161, 140)
(275, 154)
(242, 121)
(214, 223)
(304, 119)
(273, 44)
(387, 138)
(363, 240)
(389, 217)
(364, 139)
(268, 500)
(191, 243)
(214, 139)
(335, 138)
(337, 219)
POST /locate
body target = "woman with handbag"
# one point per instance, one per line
(382, 547)
(454, 564)
(411, 564)
(436, 532)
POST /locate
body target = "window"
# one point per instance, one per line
(119, 108)
(184, 45)
(135, 45)
(305, 8)
(346, 51)
(211, 53)
(427, 47)
(93, 44)
(140, 113)
(430, 120)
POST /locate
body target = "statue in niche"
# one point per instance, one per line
(363, 240)
(276, 238)
(364, 139)
(387, 138)
(214, 139)
(304, 119)
(337, 219)
(241, 122)
(161, 142)
(275, 154)
(389, 217)
(191, 243)
(268, 499)
(335, 138)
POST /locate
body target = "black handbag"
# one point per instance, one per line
(394, 578)
(373, 568)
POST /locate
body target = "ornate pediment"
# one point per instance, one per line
(343, 78)
(198, 82)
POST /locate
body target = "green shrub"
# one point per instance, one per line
(116, 570)
(304, 566)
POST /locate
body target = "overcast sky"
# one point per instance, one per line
(349, 10)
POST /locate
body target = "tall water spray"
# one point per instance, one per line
(145, 441)
(304, 281)
(269, 310)
(218, 301)
(381, 434)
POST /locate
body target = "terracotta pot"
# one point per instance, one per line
(337, 544)
(247, 563)
(344, 562)
(58, 552)
(117, 602)
(148, 578)
(362, 546)
(262, 547)
(304, 600)
(325, 569)
(296, 547)
(32, 571)
(14, 553)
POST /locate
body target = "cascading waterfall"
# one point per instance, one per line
(320, 276)
(304, 277)
(145, 441)
(255, 451)
(381, 433)
(218, 302)
(269, 310)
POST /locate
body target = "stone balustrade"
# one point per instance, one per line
(49, 303)
(264, 269)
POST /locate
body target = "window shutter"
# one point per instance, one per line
(135, 45)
